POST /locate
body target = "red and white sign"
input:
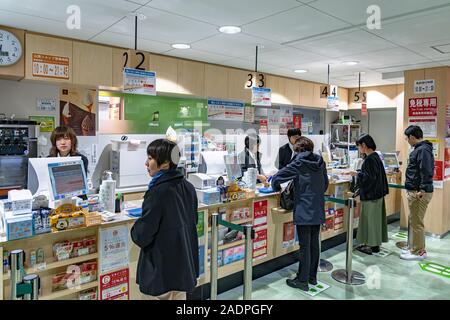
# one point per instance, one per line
(115, 285)
(423, 107)
(428, 126)
(47, 66)
(364, 109)
(438, 178)
(339, 219)
(288, 234)
(260, 226)
(263, 126)
(447, 159)
(297, 121)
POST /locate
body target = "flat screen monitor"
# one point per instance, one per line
(390, 160)
(67, 179)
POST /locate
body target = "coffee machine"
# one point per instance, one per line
(18, 143)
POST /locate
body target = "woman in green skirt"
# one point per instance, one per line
(373, 186)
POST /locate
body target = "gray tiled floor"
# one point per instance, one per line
(388, 277)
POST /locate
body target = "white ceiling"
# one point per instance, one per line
(291, 34)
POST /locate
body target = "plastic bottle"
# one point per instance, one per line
(108, 192)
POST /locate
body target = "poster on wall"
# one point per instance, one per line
(77, 107)
(249, 114)
(288, 234)
(447, 159)
(225, 110)
(260, 226)
(48, 66)
(423, 107)
(298, 121)
(435, 143)
(261, 97)
(438, 179)
(286, 118)
(273, 119)
(428, 126)
(139, 81)
(424, 86)
(46, 123)
(113, 248)
(115, 285)
(46, 105)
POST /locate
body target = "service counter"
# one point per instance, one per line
(275, 237)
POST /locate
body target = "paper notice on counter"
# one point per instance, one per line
(113, 248)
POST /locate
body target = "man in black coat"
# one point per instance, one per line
(419, 189)
(168, 264)
(286, 152)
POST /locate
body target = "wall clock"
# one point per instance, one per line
(10, 48)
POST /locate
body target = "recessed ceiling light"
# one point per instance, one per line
(350, 63)
(230, 29)
(181, 46)
(300, 71)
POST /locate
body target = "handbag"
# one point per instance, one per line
(354, 187)
(287, 197)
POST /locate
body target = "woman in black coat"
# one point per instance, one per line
(373, 187)
(308, 171)
(168, 264)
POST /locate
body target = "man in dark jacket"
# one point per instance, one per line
(419, 187)
(168, 264)
(286, 152)
(308, 171)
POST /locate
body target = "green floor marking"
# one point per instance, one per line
(401, 235)
(435, 268)
(317, 289)
(383, 253)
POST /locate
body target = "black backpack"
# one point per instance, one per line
(287, 197)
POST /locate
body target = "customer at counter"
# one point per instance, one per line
(168, 264)
(286, 152)
(250, 157)
(373, 187)
(65, 143)
(419, 189)
(308, 171)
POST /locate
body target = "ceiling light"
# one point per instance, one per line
(141, 16)
(181, 46)
(350, 63)
(300, 71)
(230, 29)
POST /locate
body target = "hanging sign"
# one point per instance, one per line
(139, 81)
(423, 107)
(428, 126)
(360, 97)
(364, 109)
(115, 285)
(225, 110)
(255, 80)
(261, 97)
(424, 86)
(47, 66)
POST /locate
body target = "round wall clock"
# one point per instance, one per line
(10, 48)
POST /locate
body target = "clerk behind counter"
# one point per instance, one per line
(64, 144)
(250, 157)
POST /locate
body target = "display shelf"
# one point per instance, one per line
(68, 292)
(238, 222)
(229, 245)
(58, 264)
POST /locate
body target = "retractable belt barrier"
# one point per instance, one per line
(249, 233)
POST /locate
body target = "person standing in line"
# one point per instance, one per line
(419, 190)
(373, 186)
(166, 233)
(286, 152)
(308, 171)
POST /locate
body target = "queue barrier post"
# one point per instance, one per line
(214, 254)
(347, 275)
(403, 244)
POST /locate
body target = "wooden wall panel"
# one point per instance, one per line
(236, 85)
(166, 69)
(216, 81)
(92, 64)
(191, 78)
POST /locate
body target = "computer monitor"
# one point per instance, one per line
(68, 179)
(39, 181)
(390, 160)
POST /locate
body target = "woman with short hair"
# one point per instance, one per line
(309, 173)
(373, 187)
(168, 264)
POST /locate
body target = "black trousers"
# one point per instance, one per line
(309, 253)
